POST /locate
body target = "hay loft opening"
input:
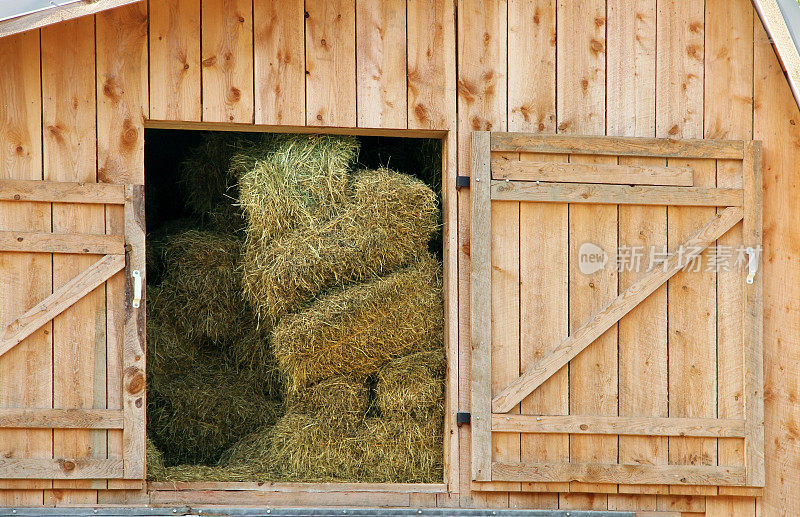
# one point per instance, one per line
(294, 307)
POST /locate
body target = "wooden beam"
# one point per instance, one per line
(614, 194)
(60, 301)
(62, 192)
(613, 312)
(403, 488)
(622, 474)
(71, 468)
(617, 146)
(134, 346)
(57, 14)
(31, 242)
(644, 426)
(753, 320)
(47, 418)
(481, 307)
(305, 130)
(591, 173)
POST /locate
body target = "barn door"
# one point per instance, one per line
(615, 313)
(99, 433)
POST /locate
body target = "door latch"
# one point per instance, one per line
(752, 264)
(137, 288)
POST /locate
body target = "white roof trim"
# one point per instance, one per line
(66, 10)
(778, 30)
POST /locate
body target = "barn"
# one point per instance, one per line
(574, 136)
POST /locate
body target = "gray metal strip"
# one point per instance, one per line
(15, 8)
(298, 512)
(791, 13)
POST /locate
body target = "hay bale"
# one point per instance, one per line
(386, 226)
(156, 470)
(194, 417)
(287, 181)
(300, 448)
(412, 386)
(402, 451)
(154, 250)
(205, 173)
(354, 331)
(187, 473)
(205, 287)
(340, 399)
(250, 351)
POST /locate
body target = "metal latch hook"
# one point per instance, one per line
(752, 264)
(137, 288)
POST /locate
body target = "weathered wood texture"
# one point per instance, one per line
(659, 67)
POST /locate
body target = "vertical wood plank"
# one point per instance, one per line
(279, 55)
(481, 308)
(70, 154)
(331, 63)
(581, 63)
(25, 278)
(482, 36)
(532, 65)
(777, 114)
(543, 236)
(227, 54)
(643, 332)
(122, 104)
(175, 56)
(431, 104)
(381, 63)
(729, 115)
(730, 507)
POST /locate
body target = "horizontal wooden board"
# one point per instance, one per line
(560, 172)
(304, 130)
(618, 146)
(608, 473)
(62, 192)
(82, 244)
(590, 424)
(47, 418)
(415, 488)
(503, 190)
(69, 468)
(291, 499)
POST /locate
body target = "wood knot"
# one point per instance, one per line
(138, 403)
(135, 383)
(67, 466)
(584, 427)
(20, 239)
(16, 197)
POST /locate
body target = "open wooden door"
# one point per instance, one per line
(616, 313)
(80, 433)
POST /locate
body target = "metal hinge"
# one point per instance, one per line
(462, 181)
(463, 418)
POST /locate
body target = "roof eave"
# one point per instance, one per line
(58, 14)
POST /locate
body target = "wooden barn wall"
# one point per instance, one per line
(74, 98)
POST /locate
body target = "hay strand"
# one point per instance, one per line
(340, 399)
(412, 386)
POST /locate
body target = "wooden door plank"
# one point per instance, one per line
(82, 244)
(85, 469)
(728, 110)
(24, 278)
(227, 60)
(621, 425)
(61, 192)
(46, 418)
(481, 309)
(70, 154)
(608, 316)
(381, 63)
(331, 63)
(175, 78)
(591, 173)
(622, 474)
(62, 299)
(134, 348)
(122, 38)
(619, 146)
(505, 308)
(597, 194)
(280, 62)
(753, 321)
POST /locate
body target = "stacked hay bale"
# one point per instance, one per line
(308, 346)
